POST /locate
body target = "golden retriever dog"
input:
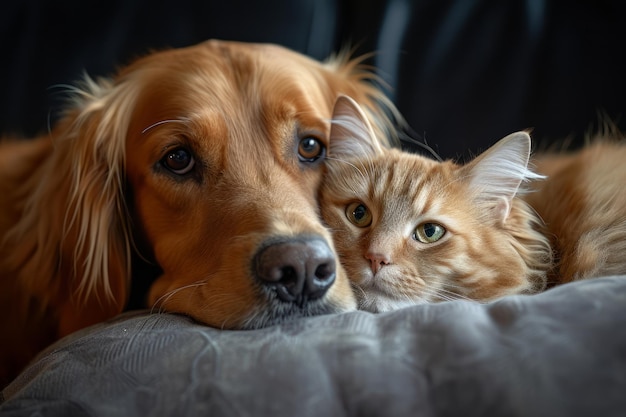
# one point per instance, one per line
(203, 162)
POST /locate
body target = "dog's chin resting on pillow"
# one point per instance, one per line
(204, 162)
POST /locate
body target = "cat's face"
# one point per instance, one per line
(411, 230)
(407, 232)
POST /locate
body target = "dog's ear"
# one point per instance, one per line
(368, 90)
(73, 242)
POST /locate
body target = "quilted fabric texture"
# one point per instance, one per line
(560, 353)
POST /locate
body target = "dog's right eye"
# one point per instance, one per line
(180, 161)
(310, 149)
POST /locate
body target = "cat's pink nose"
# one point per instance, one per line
(378, 260)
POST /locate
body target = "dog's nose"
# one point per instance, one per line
(300, 269)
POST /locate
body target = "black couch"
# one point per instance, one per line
(464, 73)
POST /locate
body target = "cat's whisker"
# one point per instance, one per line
(453, 295)
(432, 295)
(358, 291)
(453, 286)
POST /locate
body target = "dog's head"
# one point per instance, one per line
(212, 155)
(224, 159)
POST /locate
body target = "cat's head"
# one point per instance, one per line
(409, 229)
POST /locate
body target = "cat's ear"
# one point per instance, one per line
(496, 175)
(351, 134)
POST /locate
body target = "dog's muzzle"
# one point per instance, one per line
(298, 269)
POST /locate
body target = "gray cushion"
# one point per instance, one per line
(560, 353)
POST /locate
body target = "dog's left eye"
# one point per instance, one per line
(310, 149)
(180, 161)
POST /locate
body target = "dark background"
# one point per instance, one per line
(464, 73)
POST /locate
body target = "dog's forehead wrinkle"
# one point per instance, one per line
(248, 154)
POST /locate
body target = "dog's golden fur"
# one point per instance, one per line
(80, 202)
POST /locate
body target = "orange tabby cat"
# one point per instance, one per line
(410, 230)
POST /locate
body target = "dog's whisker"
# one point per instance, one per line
(161, 301)
(163, 122)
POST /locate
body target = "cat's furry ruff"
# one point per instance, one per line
(584, 206)
(492, 246)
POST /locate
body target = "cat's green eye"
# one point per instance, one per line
(429, 232)
(358, 214)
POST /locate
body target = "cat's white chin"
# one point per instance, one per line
(376, 302)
